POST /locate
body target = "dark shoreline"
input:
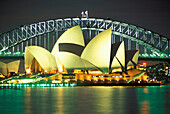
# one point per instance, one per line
(121, 84)
(81, 85)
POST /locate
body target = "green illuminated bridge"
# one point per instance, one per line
(46, 33)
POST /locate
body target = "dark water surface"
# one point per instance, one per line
(85, 100)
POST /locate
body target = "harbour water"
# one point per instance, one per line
(85, 100)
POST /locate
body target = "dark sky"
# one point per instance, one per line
(150, 14)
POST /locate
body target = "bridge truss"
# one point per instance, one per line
(46, 33)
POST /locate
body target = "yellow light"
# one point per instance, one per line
(144, 64)
(28, 70)
(45, 70)
(66, 81)
(56, 81)
(60, 70)
(26, 81)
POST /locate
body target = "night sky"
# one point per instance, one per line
(150, 14)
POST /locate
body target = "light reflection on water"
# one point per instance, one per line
(118, 100)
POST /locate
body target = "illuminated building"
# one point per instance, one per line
(6, 68)
(159, 71)
(38, 59)
(99, 60)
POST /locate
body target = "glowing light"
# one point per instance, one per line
(26, 81)
(56, 81)
(65, 80)
(60, 70)
(144, 64)
(145, 90)
(28, 71)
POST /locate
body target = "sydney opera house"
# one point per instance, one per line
(99, 61)
(72, 59)
(70, 53)
(11, 67)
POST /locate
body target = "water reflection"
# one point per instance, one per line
(145, 109)
(145, 90)
(154, 100)
(28, 101)
(59, 103)
(122, 100)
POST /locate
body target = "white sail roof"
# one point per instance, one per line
(98, 50)
(9, 67)
(3, 68)
(132, 57)
(120, 55)
(135, 57)
(45, 58)
(13, 66)
(73, 35)
(72, 61)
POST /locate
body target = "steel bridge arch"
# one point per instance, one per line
(155, 42)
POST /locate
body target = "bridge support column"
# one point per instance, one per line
(31, 42)
(129, 45)
(113, 38)
(36, 41)
(12, 50)
(39, 38)
(137, 46)
(121, 38)
(53, 35)
(48, 42)
(26, 42)
(17, 48)
(45, 36)
(89, 35)
(96, 32)
(145, 50)
(56, 35)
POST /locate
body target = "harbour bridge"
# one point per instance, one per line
(151, 45)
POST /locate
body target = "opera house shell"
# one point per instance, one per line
(70, 53)
(6, 68)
